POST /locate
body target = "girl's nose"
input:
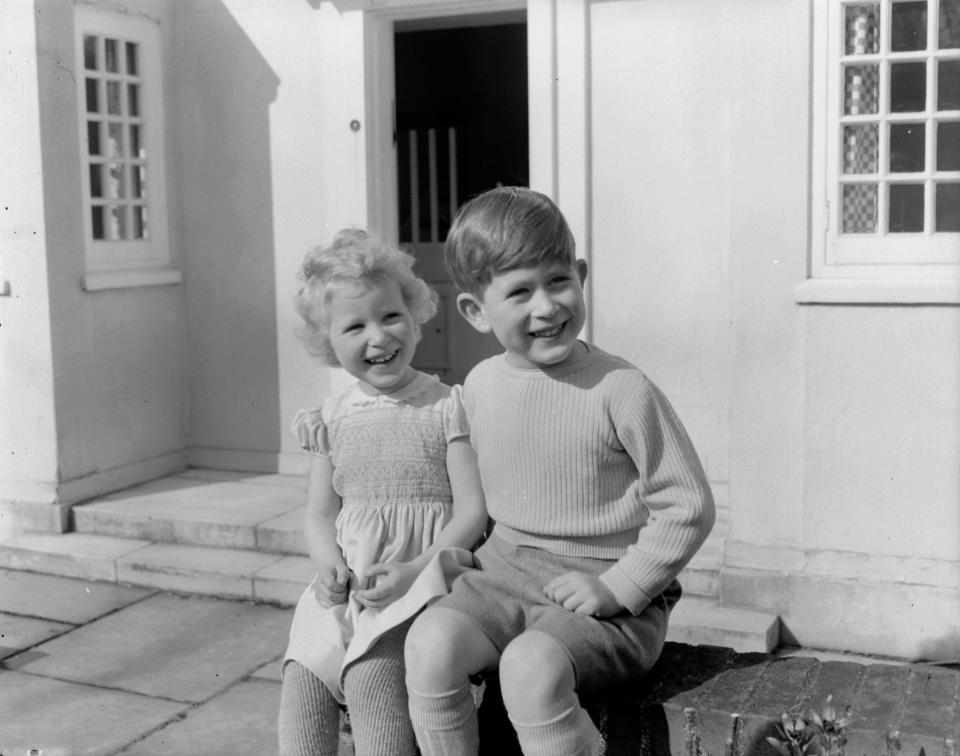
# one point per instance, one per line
(376, 335)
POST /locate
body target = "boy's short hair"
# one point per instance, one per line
(354, 259)
(504, 229)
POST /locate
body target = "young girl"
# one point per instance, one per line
(393, 500)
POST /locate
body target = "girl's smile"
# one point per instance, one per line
(373, 335)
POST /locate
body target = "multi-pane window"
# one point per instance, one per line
(120, 109)
(892, 163)
(117, 159)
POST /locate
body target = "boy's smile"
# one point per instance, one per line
(536, 313)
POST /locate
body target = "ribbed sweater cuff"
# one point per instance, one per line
(627, 594)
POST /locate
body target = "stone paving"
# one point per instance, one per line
(95, 668)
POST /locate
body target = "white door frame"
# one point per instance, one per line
(558, 74)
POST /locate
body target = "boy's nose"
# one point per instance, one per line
(543, 305)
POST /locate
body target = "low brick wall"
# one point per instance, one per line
(920, 701)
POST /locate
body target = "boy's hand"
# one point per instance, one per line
(389, 581)
(330, 587)
(582, 593)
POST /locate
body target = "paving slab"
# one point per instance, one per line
(266, 479)
(180, 648)
(283, 581)
(63, 599)
(59, 718)
(270, 671)
(243, 720)
(283, 533)
(18, 633)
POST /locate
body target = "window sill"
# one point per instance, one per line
(833, 291)
(128, 279)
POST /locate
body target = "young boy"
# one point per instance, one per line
(596, 492)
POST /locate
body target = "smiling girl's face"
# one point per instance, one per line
(373, 335)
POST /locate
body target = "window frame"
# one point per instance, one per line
(918, 267)
(128, 262)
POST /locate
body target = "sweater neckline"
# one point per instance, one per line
(550, 372)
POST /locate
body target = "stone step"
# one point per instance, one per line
(263, 513)
(280, 578)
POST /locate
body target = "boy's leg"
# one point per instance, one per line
(538, 683)
(377, 699)
(309, 721)
(443, 649)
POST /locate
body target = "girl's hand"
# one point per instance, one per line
(582, 593)
(389, 581)
(330, 587)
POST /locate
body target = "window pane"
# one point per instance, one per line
(862, 35)
(113, 98)
(949, 24)
(859, 208)
(860, 148)
(96, 180)
(948, 146)
(861, 89)
(136, 151)
(116, 186)
(93, 137)
(948, 207)
(89, 52)
(96, 221)
(133, 100)
(908, 26)
(908, 87)
(906, 147)
(116, 222)
(906, 208)
(93, 99)
(138, 181)
(110, 55)
(948, 85)
(140, 222)
(115, 139)
(133, 64)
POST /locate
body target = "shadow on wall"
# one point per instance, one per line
(222, 92)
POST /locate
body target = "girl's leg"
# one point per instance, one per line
(309, 722)
(377, 699)
(538, 682)
(443, 649)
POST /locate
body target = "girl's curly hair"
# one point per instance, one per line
(355, 258)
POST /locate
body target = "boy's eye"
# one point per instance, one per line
(518, 292)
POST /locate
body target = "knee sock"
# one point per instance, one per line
(309, 721)
(446, 723)
(572, 733)
(377, 700)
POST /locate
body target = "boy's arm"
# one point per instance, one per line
(674, 488)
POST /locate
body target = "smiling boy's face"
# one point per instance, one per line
(536, 313)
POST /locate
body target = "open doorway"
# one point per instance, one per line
(461, 128)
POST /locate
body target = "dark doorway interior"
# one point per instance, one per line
(468, 85)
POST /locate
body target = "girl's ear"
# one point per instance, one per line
(472, 310)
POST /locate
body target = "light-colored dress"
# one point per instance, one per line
(388, 454)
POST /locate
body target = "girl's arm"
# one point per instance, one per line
(323, 506)
(464, 530)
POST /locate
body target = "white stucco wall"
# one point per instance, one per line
(270, 167)
(28, 462)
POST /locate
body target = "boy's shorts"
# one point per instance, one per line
(505, 598)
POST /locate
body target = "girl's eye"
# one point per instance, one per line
(353, 328)
(391, 316)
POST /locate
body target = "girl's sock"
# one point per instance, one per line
(572, 733)
(445, 723)
(309, 722)
(377, 699)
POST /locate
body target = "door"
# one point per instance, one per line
(461, 126)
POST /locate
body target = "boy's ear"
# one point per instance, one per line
(581, 266)
(472, 310)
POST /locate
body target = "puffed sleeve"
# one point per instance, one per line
(311, 431)
(454, 418)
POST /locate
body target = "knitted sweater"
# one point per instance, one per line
(589, 459)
